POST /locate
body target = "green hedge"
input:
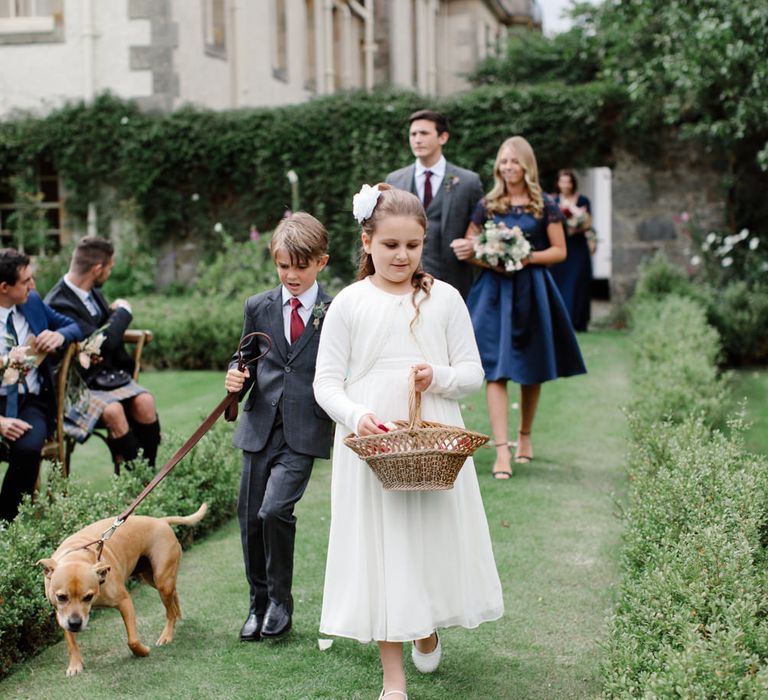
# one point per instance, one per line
(201, 330)
(674, 374)
(193, 168)
(691, 615)
(189, 332)
(209, 473)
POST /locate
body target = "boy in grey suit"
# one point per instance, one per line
(282, 429)
(449, 195)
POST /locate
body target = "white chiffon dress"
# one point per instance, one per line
(401, 563)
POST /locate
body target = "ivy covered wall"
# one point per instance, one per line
(188, 170)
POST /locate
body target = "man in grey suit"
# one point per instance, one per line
(282, 429)
(449, 195)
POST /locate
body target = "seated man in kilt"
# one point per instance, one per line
(112, 398)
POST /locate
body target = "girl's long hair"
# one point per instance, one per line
(497, 200)
(393, 202)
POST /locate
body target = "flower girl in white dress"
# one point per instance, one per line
(400, 563)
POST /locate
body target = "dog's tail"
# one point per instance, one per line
(187, 519)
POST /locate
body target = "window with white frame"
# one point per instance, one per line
(29, 16)
(216, 26)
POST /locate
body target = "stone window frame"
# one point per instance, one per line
(30, 27)
(279, 44)
(211, 28)
(310, 46)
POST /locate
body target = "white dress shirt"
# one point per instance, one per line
(307, 300)
(436, 179)
(23, 331)
(84, 296)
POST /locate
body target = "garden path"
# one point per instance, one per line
(556, 540)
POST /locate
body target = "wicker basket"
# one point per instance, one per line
(418, 455)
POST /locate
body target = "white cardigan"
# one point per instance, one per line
(362, 315)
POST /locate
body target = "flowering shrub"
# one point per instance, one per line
(718, 258)
(238, 268)
(737, 308)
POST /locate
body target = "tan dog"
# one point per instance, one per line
(75, 581)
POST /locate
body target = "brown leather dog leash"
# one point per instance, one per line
(228, 404)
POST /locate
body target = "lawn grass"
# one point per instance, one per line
(184, 399)
(556, 541)
(752, 385)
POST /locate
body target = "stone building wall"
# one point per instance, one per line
(648, 201)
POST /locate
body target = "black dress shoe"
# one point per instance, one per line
(277, 621)
(251, 629)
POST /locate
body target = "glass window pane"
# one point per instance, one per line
(4, 214)
(52, 217)
(50, 190)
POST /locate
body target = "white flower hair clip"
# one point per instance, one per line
(364, 202)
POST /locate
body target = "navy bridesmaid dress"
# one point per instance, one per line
(521, 325)
(573, 276)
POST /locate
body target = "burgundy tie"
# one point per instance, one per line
(297, 324)
(427, 189)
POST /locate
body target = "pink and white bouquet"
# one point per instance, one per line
(16, 364)
(575, 217)
(500, 246)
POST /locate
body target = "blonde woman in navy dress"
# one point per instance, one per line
(522, 327)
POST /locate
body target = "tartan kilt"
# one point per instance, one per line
(81, 417)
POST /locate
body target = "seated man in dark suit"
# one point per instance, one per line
(27, 395)
(128, 410)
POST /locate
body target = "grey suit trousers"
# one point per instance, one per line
(271, 483)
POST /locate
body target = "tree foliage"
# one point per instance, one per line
(695, 64)
(570, 57)
(699, 64)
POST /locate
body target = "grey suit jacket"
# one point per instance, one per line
(282, 380)
(449, 215)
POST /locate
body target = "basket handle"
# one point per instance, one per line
(414, 401)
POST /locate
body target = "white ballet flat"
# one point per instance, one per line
(427, 663)
(391, 692)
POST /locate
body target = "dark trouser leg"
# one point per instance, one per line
(24, 456)
(148, 436)
(288, 478)
(253, 482)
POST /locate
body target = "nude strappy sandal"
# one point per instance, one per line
(502, 474)
(523, 459)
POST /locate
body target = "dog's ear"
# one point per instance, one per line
(101, 571)
(49, 565)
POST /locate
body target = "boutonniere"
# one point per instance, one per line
(90, 348)
(318, 311)
(451, 181)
